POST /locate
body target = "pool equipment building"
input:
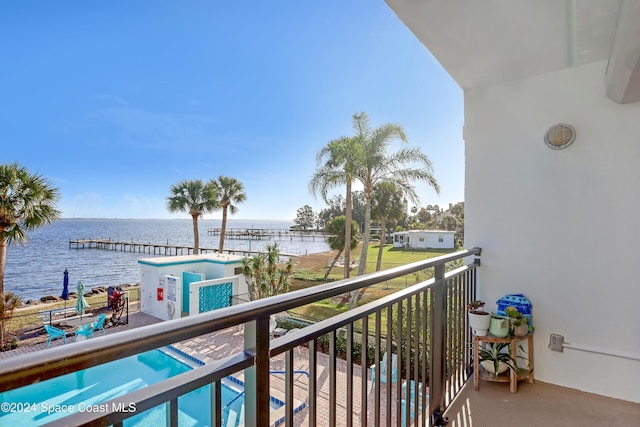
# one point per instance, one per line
(177, 286)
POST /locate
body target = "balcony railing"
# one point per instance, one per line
(424, 325)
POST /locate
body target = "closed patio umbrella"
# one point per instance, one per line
(81, 302)
(65, 287)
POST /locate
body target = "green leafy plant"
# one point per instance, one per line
(265, 276)
(9, 301)
(494, 352)
(476, 307)
(516, 319)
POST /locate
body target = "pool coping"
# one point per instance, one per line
(192, 358)
(278, 416)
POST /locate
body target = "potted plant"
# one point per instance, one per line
(499, 326)
(495, 358)
(519, 323)
(478, 318)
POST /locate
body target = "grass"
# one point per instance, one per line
(28, 315)
(391, 257)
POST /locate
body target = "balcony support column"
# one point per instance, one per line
(438, 350)
(256, 387)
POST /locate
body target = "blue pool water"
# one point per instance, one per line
(85, 390)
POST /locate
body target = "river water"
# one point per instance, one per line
(36, 269)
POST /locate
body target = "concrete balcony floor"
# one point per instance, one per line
(539, 404)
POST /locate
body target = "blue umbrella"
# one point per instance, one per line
(81, 302)
(65, 288)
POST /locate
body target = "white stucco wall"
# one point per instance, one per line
(560, 226)
(212, 266)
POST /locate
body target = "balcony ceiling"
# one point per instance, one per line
(481, 43)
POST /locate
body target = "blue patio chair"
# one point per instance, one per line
(383, 369)
(54, 333)
(410, 395)
(100, 323)
(85, 330)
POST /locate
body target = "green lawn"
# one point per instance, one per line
(391, 257)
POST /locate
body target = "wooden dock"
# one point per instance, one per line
(152, 248)
(268, 234)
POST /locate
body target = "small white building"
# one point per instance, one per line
(423, 239)
(177, 286)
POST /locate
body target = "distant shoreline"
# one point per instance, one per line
(35, 269)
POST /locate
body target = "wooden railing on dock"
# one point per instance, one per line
(151, 248)
(268, 234)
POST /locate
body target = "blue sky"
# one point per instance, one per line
(116, 101)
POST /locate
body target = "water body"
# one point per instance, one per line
(36, 269)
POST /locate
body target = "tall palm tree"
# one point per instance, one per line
(196, 198)
(374, 164)
(335, 167)
(230, 191)
(27, 201)
(336, 228)
(388, 204)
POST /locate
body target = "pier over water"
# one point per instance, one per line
(152, 248)
(269, 234)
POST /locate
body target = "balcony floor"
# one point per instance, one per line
(539, 404)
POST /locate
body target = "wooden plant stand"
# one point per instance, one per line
(509, 376)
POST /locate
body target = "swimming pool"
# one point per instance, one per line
(40, 403)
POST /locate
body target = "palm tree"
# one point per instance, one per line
(336, 229)
(230, 191)
(196, 198)
(388, 204)
(436, 209)
(264, 274)
(9, 301)
(27, 201)
(373, 164)
(336, 166)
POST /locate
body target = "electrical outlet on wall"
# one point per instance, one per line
(556, 342)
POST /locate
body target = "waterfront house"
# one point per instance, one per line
(424, 239)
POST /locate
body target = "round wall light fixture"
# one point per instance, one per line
(560, 136)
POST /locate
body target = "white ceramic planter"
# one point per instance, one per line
(490, 367)
(479, 323)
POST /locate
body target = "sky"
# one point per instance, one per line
(116, 101)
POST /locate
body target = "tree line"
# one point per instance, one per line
(430, 217)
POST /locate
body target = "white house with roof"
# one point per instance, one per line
(176, 286)
(424, 239)
(552, 148)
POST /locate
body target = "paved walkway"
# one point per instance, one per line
(230, 341)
